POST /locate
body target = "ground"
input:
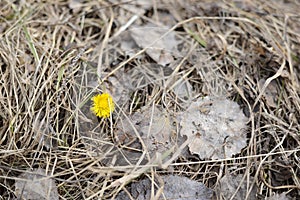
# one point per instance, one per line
(157, 59)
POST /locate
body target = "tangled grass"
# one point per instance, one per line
(54, 56)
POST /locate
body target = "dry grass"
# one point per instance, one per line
(53, 59)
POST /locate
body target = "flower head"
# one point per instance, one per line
(103, 105)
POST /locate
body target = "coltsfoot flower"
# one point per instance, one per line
(103, 105)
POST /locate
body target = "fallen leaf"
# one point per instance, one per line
(120, 87)
(123, 83)
(270, 93)
(215, 128)
(174, 187)
(138, 7)
(44, 133)
(75, 4)
(153, 125)
(161, 51)
(229, 184)
(183, 90)
(281, 196)
(36, 184)
(127, 44)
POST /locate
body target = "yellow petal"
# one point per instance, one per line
(103, 105)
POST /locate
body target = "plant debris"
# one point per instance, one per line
(159, 47)
(36, 184)
(205, 90)
(167, 187)
(149, 124)
(215, 127)
(236, 187)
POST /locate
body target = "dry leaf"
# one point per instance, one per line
(215, 128)
(270, 94)
(36, 185)
(183, 91)
(44, 133)
(281, 196)
(174, 187)
(127, 44)
(124, 83)
(229, 184)
(161, 51)
(138, 7)
(120, 88)
(154, 127)
(75, 4)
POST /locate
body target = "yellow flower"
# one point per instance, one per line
(103, 105)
